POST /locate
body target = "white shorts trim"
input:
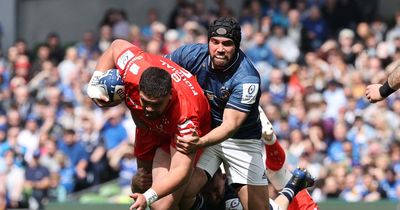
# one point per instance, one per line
(242, 160)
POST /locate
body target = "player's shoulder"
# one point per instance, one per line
(192, 49)
(246, 66)
(245, 71)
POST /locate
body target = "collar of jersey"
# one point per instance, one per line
(227, 68)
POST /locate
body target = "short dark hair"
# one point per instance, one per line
(227, 27)
(69, 131)
(155, 82)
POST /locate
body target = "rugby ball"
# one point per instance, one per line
(112, 85)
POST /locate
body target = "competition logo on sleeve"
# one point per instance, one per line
(249, 94)
(124, 58)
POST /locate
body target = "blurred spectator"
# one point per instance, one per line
(346, 41)
(42, 55)
(315, 25)
(106, 37)
(3, 180)
(67, 180)
(120, 27)
(22, 48)
(22, 67)
(94, 146)
(295, 28)
(172, 41)
(127, 167)
(87, 48)
(37, 180)
(77, 156)
(352, 191)
(261, 54)
(22, 101)
(336, 150)
(48, 158)
(69, 66)
(115, 136)
(276, 87)
(152, 17)
(29, 136)
(56, 192)
(135, 36)
(14, 181)
(53, 41)
(284, 47)
(334, 98)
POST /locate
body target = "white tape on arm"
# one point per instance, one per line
(93, 90)
(151, 196)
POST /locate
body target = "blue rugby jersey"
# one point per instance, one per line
(238, 87)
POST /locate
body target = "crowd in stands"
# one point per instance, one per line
(314, 64)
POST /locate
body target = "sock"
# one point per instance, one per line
(275, 156)
(289, 191)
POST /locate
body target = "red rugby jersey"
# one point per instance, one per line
(188, 109)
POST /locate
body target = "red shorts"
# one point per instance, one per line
(146, 144)
(303, 201)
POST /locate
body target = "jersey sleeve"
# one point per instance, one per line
(245, 94)
(185, 56)
(125, 60)
(187, 126)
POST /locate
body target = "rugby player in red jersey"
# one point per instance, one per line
(165, 101)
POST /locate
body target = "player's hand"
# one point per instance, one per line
(140, 202)
(188, 144)
(372, 93)
(95, 92)
(142, 180)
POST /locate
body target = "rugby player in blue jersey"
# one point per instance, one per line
(232, 85)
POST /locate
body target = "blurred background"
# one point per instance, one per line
(315, 57)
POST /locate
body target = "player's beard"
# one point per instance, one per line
(220, 62)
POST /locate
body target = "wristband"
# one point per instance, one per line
(93, 90)
(385, 90)
(95, 77)
(151, 196)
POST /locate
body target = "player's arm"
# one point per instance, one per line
(178, 175)
(181, 165)
(142, 180)
(231, 122)
(378, 92)
(107, 60)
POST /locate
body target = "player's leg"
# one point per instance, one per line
(245, 169)
(142, 180)
(253, 196)
(279, 175)
(145, 148)
(191, 198)
(161, 165)
(206, 167)
(300, 180)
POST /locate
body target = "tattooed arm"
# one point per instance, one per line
(378, 92)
